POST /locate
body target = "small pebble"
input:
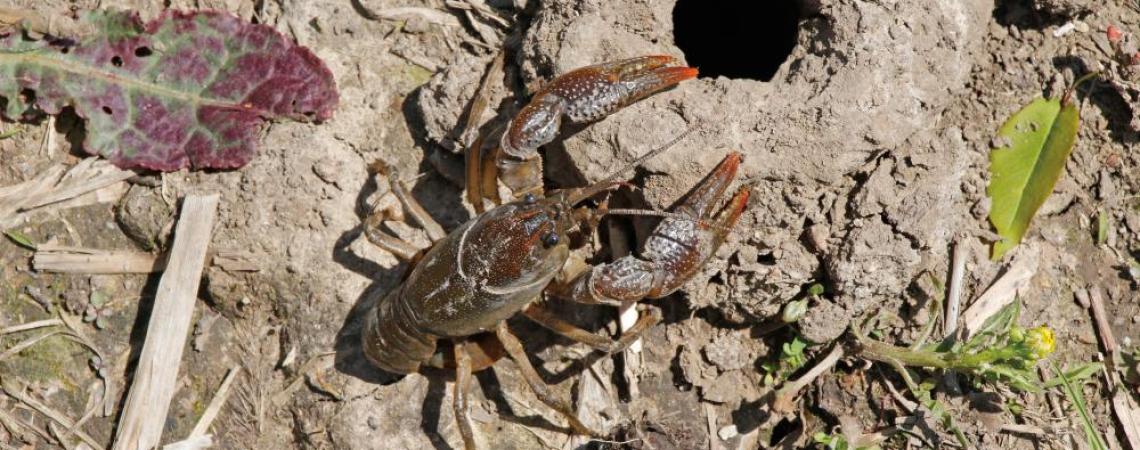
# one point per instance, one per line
(727, 432)
(1082, 297)
(1064, 29)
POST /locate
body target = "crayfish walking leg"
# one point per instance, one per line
(461, 407)
(541, 390)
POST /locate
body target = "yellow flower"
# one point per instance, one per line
(1040, 342)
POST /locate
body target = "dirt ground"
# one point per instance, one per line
(865, 128)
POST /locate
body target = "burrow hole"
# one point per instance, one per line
(734, 38)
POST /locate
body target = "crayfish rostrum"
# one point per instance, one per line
(500, 263)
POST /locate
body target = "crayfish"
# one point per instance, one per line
(505, 259)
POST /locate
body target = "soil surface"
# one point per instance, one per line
(865, 147)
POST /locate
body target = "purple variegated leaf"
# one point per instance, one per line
(185, 90)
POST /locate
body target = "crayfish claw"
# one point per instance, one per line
(587, 94)
(674, 252)
(594, 92)
(702, 201)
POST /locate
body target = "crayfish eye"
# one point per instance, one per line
(530, 199)
(550, 239)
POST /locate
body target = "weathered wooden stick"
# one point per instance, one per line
(148, 401)
(60, 259)
(1001, 293)
(73, 260)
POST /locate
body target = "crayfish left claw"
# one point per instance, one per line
(674, 252)
(701, 202)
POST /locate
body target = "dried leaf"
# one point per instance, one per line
(1101, 227)
(1022, 176)
(185, 90)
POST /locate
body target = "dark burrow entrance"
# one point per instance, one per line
(736, 38)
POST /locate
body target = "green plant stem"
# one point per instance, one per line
(1073, 88)
(880, 351)
(883, 352)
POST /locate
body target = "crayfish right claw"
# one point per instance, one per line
(587, 94)
(626, 81)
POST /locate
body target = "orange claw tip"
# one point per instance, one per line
(731, 161)
(738, 203)
(672, 75)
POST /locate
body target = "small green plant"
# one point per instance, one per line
(1000, 351)
(98, 310)
(837, 441)
(796, 309)
(791, 359)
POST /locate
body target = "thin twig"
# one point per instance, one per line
(710, 423)
(953, 306)
(216, 404)
(954, 297)
(52, 414)
(315, 363)
(28, 343)
(783, 399)
(1002, 292)
(1123, 407)
(83, 260)
(15, 429)
(30, 326)
(59, 435)
(1103, 327)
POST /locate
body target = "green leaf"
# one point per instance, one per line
(1077, 398)
(816, 289)
(1022, 176)
(996, 326)
(21, 239)
(98, 299)
(1077, 375)
(10, 133)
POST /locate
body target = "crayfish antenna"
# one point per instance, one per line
(611, 180)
